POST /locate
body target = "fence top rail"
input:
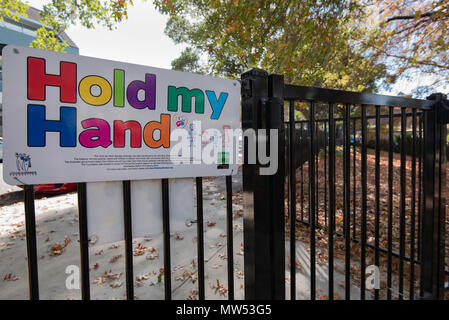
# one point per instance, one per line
(293, 92)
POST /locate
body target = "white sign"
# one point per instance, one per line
(69, 118)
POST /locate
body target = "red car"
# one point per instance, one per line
(57, 188)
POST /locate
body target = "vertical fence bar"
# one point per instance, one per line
(30, 226)
(128, 240)
(331, 178)
(263, 195)
(364, 208)
(325, 174)
(317, 182)
(302, 176)
(166, 227)
(377, 195)
(434, 202)
(312, 200)
(254, 91)
(354, 182)
(84, 241)
(402, 203)
(275, 123)
(200, 236)
(230, 242)
(346, 201)
(420, 161)
(413, 210)
(343, 170)
(292, 204)
(390, 201)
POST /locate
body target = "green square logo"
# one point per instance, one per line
(223, 158)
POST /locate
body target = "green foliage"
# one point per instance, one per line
(188, 61)
(396, 142)
(58, 15)
(309, 42)
(9, 7)
(47, 39)
(340, 44)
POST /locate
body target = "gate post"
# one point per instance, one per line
(263, 195)
(434, 201)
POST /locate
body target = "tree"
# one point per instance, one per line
(188, 61)
(58, 15)
(343, 44)
(8, 7)
(309, 42)
(409, 36)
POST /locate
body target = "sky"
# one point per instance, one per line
(139, 40)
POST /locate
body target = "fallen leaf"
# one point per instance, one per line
(110, 275)
(115, 258)
(11, 277)
(116, 284)
(210, 223)
(56, 249)
(99, 280)
(139, 250)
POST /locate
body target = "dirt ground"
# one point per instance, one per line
(412, 217)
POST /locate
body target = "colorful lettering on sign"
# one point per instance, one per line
(38, 126)
(37, 80)
(119, 88)
(97, 91)
(216, 105)
(85, 90)
(187, 96)
(97, 134)
(135, 130)
(164, 131)
(149, 89)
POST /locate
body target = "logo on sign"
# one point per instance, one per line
(179, 121)
(23, 162)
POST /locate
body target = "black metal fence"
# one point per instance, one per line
(165, 215)
(365, 186)
(360, 180)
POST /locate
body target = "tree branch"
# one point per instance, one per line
(410, 17)
(422, 63)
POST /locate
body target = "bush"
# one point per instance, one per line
(384, 143)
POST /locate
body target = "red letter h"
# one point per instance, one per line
(38, 80)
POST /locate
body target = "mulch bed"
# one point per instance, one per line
(302, 211)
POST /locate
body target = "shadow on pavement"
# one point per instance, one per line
(10, 198)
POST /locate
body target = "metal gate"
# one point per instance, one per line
(365, 191)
